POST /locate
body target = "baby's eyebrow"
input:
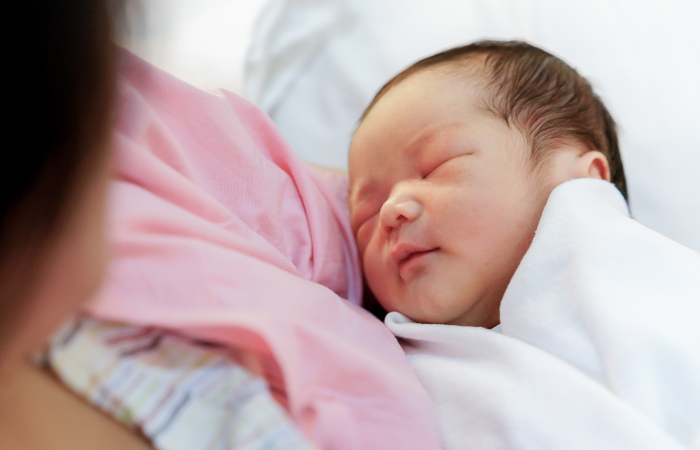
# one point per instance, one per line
(423, 142)
(416, 147)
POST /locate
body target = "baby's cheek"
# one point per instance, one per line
(369, 260)
(364, 235)
(375, 273)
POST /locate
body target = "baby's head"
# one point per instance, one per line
(450, 169)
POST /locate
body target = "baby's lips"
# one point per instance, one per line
(403, 250)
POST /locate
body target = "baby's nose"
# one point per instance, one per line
(398, 210)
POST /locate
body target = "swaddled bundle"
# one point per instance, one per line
(599, 344)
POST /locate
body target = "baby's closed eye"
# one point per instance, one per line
(442, 165)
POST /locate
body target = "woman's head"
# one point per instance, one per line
(51, 202)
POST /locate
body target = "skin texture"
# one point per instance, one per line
(444, 199)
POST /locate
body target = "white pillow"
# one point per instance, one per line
(315, 64)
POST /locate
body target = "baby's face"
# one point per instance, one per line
(443, 201)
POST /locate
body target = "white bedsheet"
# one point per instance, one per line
(600, 342)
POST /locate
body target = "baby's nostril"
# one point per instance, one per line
(409, 210)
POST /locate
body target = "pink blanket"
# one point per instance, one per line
(219, 231)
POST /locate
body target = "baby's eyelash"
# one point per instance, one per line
(433, 169)
(442, 163)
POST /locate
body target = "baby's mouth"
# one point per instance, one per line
(404, 254)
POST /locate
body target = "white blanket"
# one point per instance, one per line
(599, 345)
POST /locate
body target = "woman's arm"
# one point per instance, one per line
(37, 412)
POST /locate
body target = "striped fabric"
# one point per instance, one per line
(178, 393)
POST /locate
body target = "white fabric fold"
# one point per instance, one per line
(287, 37)
(600, 343)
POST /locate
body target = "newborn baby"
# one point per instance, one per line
(452, 165)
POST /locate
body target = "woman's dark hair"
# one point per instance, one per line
(62, 73)
(538, 93)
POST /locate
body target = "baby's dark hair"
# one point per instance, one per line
(536, 92)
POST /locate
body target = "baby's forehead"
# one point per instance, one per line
(466, 85)
(454, 92)
(457, 92)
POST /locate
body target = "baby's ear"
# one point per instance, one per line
(572, 162)
(593, 164)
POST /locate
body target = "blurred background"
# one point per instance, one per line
(313, 66)
(203, 42)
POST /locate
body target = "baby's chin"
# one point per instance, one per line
(472, 314)
(421, 315)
